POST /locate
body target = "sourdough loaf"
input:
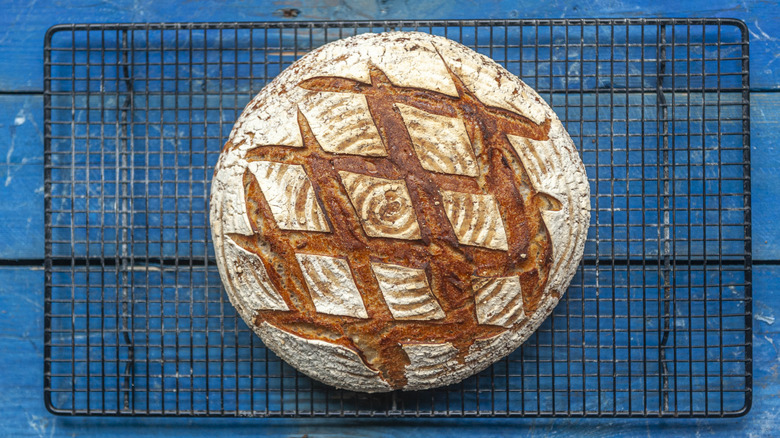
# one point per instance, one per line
(397, 211)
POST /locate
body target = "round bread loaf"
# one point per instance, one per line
(397, 211)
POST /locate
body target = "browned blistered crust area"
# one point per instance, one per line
(450, 266)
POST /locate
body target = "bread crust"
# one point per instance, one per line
(411, 207)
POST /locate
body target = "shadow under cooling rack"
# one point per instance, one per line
(657, 321)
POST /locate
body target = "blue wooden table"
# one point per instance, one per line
(22, 28)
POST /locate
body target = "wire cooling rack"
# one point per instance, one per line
(657, 321)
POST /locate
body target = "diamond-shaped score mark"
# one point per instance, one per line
(290, 196)
(342, 124)
(475, 219)
(499, 301)
(441, 143)
(250, 285)
(383, 206)
(407, 292)
(331, 285)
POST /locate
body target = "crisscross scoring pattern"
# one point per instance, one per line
(452, 216)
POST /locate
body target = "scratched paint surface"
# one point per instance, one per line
(22, 25)
(21, 176)
(765, 172)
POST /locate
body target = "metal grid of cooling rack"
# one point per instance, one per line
(657, 321)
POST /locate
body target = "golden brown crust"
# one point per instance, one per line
(396, 211)
(449, 265)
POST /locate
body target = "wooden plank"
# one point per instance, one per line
(25, 24)
(765, 163)
(21, 395)
(21, 190)
(21, 177)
